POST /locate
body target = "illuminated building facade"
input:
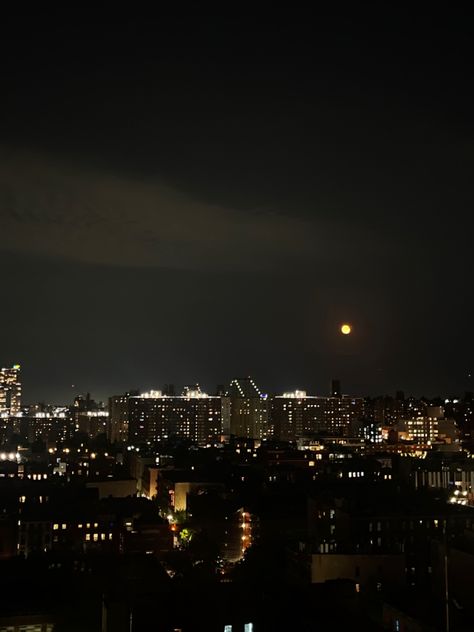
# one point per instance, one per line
(56, 425)
(297, 414)
(10, 390)
(117, 430)
(339, 413)
(92, 422)
(113, 526)
(387, 410)
(431, 428)
(245, 410)
(193, 415)
(287, 412)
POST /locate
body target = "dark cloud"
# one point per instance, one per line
(54, 208)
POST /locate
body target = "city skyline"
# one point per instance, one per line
(240, 410)
(211, 388)
(13, 401)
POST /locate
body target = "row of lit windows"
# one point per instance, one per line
(56, 526)
(95, 537)
(410, 524)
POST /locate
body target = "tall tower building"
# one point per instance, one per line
(117, 427)
(10, 390)
(245, 410)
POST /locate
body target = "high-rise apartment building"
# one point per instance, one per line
(117, 428)
(194, 415)
(340, 413)
(297, 414)
(245, 410)
(294, 415)
(10, 390)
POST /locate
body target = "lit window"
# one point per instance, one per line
(64, 526)
(88, 536)
(55, 527)
(96, 537)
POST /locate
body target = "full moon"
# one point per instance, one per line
(346, 329)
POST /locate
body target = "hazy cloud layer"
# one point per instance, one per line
(63, 210)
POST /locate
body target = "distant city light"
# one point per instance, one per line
(346, 329)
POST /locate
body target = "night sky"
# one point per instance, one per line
(196, 199)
